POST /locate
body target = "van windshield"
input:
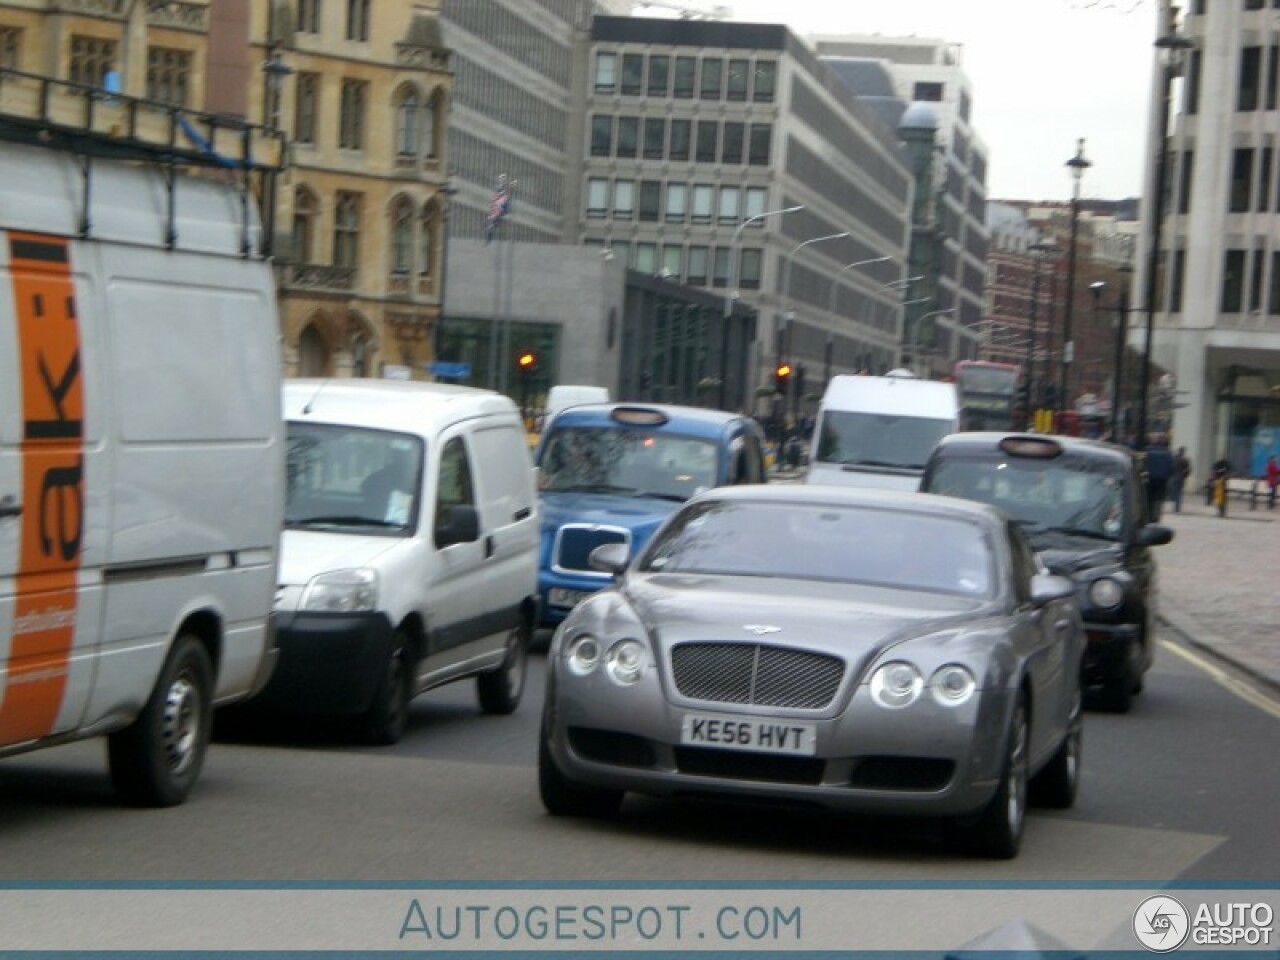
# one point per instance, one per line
(879, 439)
(628, 461)
(341, 477)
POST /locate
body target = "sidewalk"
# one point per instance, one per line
(1220, 583)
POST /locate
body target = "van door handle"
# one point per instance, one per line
(9, 507)
(488, 546)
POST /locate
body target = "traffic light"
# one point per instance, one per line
(782, 378)
(527, 362)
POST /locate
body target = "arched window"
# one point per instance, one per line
(408, 119)
(429, 229)
(304, 225)
(432, 125)
(346, 230)
(359, 356)
(401, 236)
(313, 353)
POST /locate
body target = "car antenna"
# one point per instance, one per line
(307, 409)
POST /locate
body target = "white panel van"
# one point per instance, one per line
(879, 431)
(141, 454)
(410, 553)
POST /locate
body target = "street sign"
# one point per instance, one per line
(450, 370)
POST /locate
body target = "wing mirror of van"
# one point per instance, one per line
(457, 524)
(610, 558)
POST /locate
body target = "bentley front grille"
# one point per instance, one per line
(758, 674)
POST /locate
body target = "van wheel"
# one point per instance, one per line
(998, 832)
(156, 760)
(388, 715)
(500, 690)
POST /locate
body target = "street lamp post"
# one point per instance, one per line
(828, 353)
(1077, 165)
(917, 341)
(1170, 47)
(1037, 249)
(730, 293)
(785, 340)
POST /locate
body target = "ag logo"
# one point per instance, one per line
(1161, 924)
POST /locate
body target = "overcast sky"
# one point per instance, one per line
(1043, 73)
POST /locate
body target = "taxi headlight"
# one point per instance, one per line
(952, 685)
(1106, 592)
(626, 662)
(896, 685)
(342, 591)
(583, 654)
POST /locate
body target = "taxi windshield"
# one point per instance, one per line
(626, 460)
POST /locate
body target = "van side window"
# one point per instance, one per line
(454, 488)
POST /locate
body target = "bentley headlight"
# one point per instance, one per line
(626, 662)
(583, 654)
(342, 591)
(1106, 592)
(895, 685)
(952, 685)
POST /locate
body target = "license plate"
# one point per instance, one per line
(559, 597)
(757, 734)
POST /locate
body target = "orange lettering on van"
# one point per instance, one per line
(52, 485)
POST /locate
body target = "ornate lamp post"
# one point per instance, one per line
(1077, 165)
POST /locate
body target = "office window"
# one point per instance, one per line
(1233, 281)
(655, 129)
(407, 117)
(677, 201)
(686, 70)
(1273, 74)
(1184, 188)
(703, 198)
(1273, 296)
(733, 143)
(306, 97)
(91, 60)
(761, 139)
(712, 78)
(673, 260)
(10, 44)
(739, 72)
(1191, 98)
(928, 92)
(659, 75)
(650, 200)
(1250, 65)
(766, 80)
(1264, 180)
(606, 72)
(624, 199)
(597, 197)
(681, 135)
(749, 271)
(632, 74)
(647, 257)
(730, 200)
(346, 230)
(355, 94)
(720, 274)
(601, 135)
(628, 134)
(402, 236)
(168, 75)
(1241, 178)
(705, 151)
(358, 20)
(697, 267)
(308, 16)
(429, 228)
(755, 200)
(1255, 281)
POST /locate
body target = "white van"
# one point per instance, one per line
(141, 456)
(410, 555)
(565, 395)
(879, 431)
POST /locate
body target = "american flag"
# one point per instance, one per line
(499, 207)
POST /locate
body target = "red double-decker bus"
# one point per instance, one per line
(988, 392)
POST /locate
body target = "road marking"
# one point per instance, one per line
(1239, 688)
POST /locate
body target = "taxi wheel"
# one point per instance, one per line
(388, 715)
(156, 760)
(563, 797)
(500, 691)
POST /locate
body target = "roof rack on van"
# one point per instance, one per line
(91, 122)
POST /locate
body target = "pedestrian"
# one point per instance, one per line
(1159, 473)
(1272, 477)
(1217, 485)
(1178, 482)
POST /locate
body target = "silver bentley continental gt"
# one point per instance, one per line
(860, 650)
